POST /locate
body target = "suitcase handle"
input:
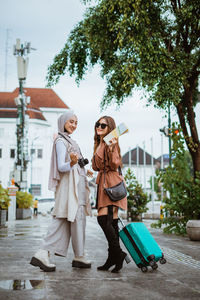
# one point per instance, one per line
(127, 258)
(122, 223)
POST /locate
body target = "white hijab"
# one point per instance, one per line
(54, 175)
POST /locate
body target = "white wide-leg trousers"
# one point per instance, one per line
(61, 230)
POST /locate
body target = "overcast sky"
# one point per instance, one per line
(46, 24)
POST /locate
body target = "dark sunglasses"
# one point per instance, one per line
(102, 125)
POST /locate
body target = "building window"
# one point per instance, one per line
(0, 153)
(12, 153)
(39, 153)
(35, 189)
(32, 151)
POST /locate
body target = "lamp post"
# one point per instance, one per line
(144, 163)
(169, 136)
(129, 157)
(21, 51)
(32, 163)
(152, 170)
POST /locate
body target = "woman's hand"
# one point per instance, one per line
(90, 173)
(112, 142)
(73, 158)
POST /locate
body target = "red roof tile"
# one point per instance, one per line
(42, 97)
(39, 98)
(12, 113)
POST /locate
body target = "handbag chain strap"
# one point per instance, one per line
(104, 169)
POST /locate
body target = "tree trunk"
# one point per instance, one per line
(192, 141)
(196, 160)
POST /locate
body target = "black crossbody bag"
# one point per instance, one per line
(116, 192)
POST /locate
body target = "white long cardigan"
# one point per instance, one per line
(66, 194)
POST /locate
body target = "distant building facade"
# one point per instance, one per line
(142, 164)
(42, 113)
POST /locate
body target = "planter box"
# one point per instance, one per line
(23, 213)
(193, 230)
(3, 213)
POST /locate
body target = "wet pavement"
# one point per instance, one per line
(19, 240)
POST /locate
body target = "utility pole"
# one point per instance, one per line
(6, 58)
(129, 157)
(21, 52)
(170, 131)
(144, 163)
(152, 170)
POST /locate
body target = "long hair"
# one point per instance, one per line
(111, 125)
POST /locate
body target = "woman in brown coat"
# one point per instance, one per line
(108, 158)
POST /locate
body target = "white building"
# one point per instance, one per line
(43, 111)
(142, 164)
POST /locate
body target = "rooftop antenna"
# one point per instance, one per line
(21, 51)
(6, 58)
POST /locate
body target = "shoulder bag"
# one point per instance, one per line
(116, 192)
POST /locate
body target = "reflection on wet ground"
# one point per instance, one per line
(21, 284)
(13, 234)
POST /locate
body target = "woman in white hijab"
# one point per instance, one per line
(68, 180)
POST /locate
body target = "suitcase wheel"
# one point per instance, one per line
(155, 266)
(162, 261)
(144, 269)
(152, 263)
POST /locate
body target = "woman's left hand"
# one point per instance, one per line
(112, 142)
(89, 173)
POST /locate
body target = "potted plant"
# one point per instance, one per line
(4, 203)
(24, 203)
(137, 199)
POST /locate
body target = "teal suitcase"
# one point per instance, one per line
(141, 245)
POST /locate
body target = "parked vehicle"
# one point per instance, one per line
(45, 205)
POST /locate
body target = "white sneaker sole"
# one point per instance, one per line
(37, 263)
(79, 264)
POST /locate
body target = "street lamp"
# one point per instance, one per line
(32, 162)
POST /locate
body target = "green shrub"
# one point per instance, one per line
(24, 199)
(4, 198)
(137, 199)
(183, 202)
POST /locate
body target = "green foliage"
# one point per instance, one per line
(137, 199)
(149, 44)
(4, 198)
(157, 188)
(183, 203)
(24, 199)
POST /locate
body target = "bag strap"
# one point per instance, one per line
(69, 141)
(104, 169)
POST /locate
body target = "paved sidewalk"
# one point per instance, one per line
(178, 279)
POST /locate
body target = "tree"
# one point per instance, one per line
(153, 44)
(137, 199)
(184, 201)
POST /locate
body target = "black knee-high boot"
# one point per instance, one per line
(115, 226)
(103, 222)
(115, 254)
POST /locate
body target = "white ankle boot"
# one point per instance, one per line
(81, 262)
(41, 259)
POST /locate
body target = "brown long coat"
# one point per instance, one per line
(112, 177)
